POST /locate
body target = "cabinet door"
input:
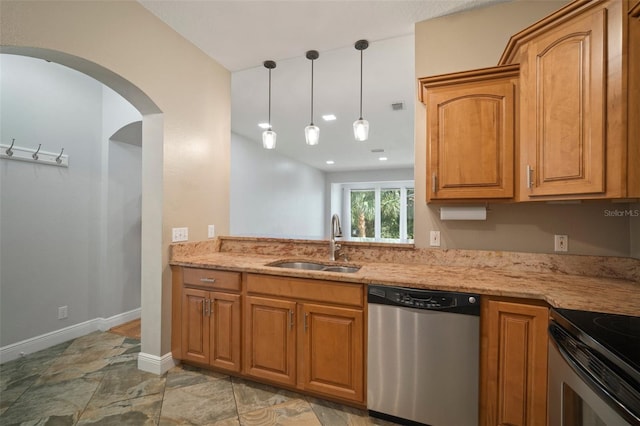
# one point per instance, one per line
(333, 350)
(269, 351)
(563, 109)
(195, 326)
(225, 330)
(471, 134)
(513, 364)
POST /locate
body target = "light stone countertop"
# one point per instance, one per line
(559, 289)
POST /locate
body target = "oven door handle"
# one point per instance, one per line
(624, 399)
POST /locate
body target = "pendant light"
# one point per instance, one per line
(361, 126)
(312, 132)
(269, 136)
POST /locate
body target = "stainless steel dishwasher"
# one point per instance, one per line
(423, 356)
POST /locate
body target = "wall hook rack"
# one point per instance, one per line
(12, 152)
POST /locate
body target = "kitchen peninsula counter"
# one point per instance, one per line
(590, 283)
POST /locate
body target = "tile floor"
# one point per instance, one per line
(94, 380)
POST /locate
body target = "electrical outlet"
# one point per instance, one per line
(434, 238)
(63, 312)
(561, 243)
(211, 231)
(179, 234)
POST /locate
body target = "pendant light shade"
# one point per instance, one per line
(269, 136)
(312, 132)
(361, 126)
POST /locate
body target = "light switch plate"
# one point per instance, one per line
(179, 234)
(211, 231)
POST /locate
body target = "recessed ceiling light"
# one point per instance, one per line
(382, 158)
(263, 125)
(331, 162)
(328, 117)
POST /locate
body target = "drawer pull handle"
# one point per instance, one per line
(208, 280)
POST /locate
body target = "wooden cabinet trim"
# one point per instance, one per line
(482, 74)
(565, 13)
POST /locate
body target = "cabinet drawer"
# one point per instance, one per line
(333, 292)
(210, 278)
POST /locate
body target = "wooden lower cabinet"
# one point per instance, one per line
(211, 328)
(513, 367)
(333, 344)
(206, 317)
(295, 334)
(270, 339)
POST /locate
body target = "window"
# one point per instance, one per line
(379, 211)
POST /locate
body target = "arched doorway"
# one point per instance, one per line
(152, 139)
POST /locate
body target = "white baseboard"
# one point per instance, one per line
(44, 341)
(155, 364)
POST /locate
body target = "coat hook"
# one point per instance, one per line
(9, 150)
(59, 157)
(35, 154)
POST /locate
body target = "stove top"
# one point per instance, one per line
(619, 334)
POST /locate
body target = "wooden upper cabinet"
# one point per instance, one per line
(471, 134)
(579, 103)
(564, 98)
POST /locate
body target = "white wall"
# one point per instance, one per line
(53, 220)
(273, 195)
(122, 239)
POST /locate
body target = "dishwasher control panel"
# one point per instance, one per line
(465, 303)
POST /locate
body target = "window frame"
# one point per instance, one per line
(402, 185)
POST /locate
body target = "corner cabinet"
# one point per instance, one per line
(307, 334)
(471, 128)
(206, 317)
(579, 103)
(513, 362)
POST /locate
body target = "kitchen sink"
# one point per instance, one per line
(315, 266)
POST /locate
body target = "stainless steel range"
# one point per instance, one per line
(594, 369)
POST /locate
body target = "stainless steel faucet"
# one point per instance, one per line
(336, 231)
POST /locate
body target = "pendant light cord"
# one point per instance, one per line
(312, 92)
(360, 84)
(269, 99)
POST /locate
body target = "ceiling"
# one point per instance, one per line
(241, 34)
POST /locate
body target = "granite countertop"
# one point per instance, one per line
(558, 289)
